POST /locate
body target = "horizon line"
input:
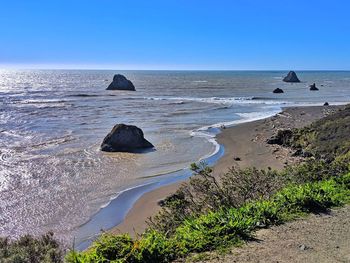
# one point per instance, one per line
(165, 69)
(143, 67)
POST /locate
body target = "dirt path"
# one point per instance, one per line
(317, 238)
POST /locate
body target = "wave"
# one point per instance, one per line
(40, 101)
(178, 102)
(210, 132)
(86, 234)
(263, 98)
(84, 95)
(43, 103)
(228, 101)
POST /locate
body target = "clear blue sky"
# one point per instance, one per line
(176, 34)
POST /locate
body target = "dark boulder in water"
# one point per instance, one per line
(326, 104)
(313, 87)
(278, 90)
(120, 82)
(291, 77)
(125, 138)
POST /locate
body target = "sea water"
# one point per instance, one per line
(53, 175)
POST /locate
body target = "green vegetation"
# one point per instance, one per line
(44, 249)
(221, 228)
(326, 138)
(205, 193)
(209, 213)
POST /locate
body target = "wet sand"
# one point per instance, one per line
(246, 141)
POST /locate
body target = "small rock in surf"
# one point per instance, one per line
(313, 87)
(278, 90)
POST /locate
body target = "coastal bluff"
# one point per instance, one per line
(120, 82)
(125, 138)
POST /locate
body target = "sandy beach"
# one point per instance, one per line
(246, 141)
(157, 131)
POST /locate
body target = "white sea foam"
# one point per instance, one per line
(210, 132)
(223, 101)
(45, 101)
(41, 168)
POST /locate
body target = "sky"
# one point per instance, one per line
(176, 34)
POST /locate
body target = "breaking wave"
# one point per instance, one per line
(222, 100)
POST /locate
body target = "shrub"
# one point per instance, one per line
(313, 170)
(206, 193)
(324, 139)
(44, 249)
(228, 226)
(209, 213)
(224, 227)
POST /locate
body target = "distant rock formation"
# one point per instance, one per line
(278, 90)
(120, 82)
(326, 104)
(291, 77)
(313, 87)
(125, 138)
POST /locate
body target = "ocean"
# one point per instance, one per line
(53, 175)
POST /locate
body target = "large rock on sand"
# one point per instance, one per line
(120, 82)
(125, 138)
(291, 77)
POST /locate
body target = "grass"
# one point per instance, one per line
(219, 229)
(212, 215)
(326, 138)
(209, 214)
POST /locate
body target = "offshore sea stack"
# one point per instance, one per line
(291, 77)
(120, 82)
(313, 87)
(125, 138)
(278, 90)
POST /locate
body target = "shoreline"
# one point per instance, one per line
(106, 219)
(126, 201)
(243, 140)
(141, 202)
